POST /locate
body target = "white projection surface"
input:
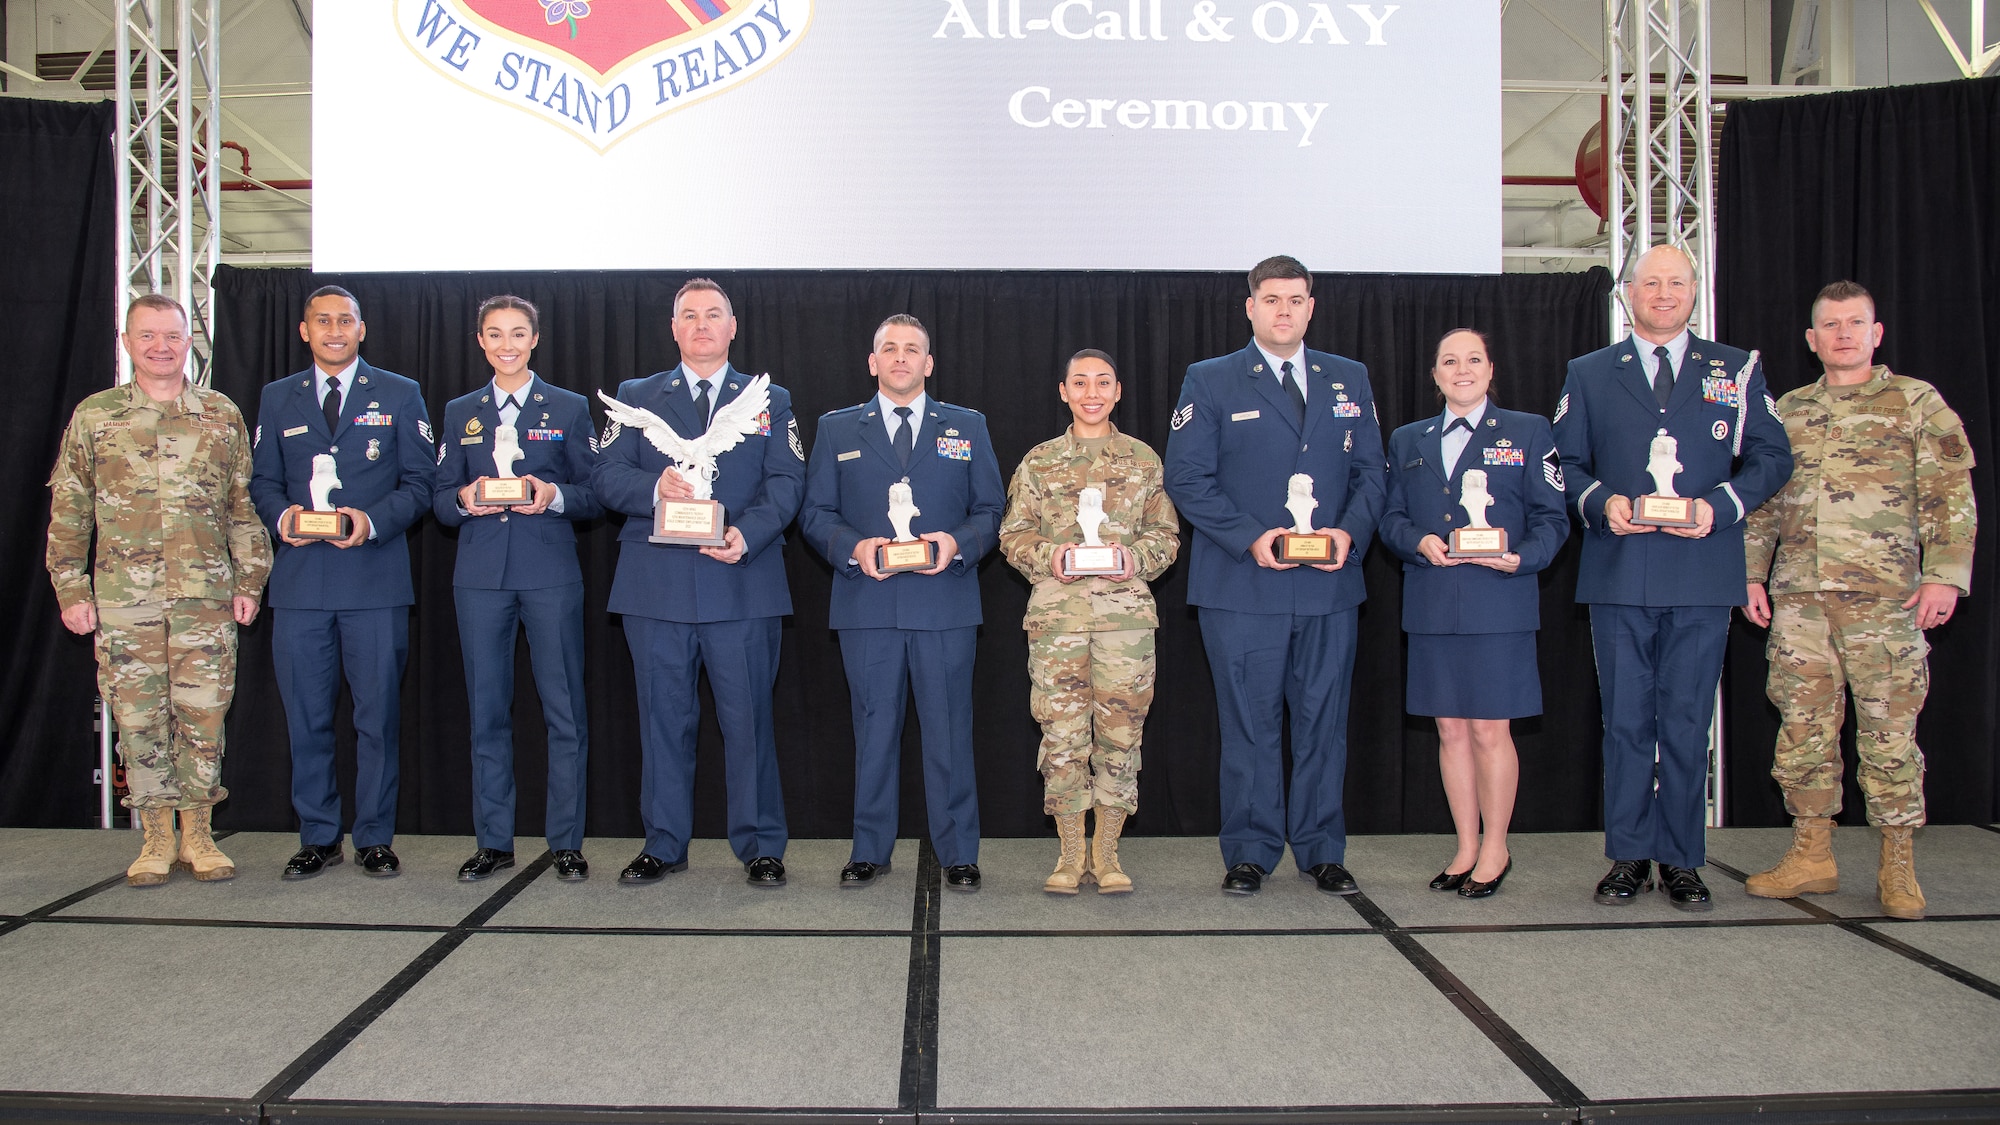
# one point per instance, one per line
(951, 134)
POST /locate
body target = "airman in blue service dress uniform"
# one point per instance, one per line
(1472, 620)
(1278, 635)
(342, 605)
(719, 608)
(517, 569)
(919, 625)
(1660, 597)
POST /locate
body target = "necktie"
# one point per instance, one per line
(331, 407)
(1292, 388)
(1663, 380)
(1458, 424)
(701, 403)
(509, 410)
(906, 438)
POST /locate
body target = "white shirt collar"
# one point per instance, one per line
(888, 409)
(520, 397)
(1475, 416)
(714, 382)
(345, 374)
(1677, 350)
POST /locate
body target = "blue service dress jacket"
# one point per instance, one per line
(1517, 452)
(1230, 457)
(1733, 454)
(954, 482)
(514, 551)
(759, 484)
(383, 455)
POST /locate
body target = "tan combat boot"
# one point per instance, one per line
(156, 858)
(1111, 879)
(1069, 872)
(1896, 880)
(1806, 867)
(198, 851)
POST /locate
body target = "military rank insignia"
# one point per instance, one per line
(792, 437)
(1552, 470)
(958, 449)
(1717, 388)
(424, 430)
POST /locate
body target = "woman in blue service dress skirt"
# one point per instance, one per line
(1472, 619)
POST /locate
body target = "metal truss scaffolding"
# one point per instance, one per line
(169, 85)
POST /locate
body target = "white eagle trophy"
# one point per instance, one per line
(698, 521)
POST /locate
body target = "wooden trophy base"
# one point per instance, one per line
(321, 525)
(1093, 562)
(1293, 547)
(689, 523)
(1477, 543)
(894, 558)
(1664, 511)
(502, 492)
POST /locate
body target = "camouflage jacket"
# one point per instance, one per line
(1041, 517)
(1880, 498)
(166, 488)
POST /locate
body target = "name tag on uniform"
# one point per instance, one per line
(472, 440)
(296, 431)
(848, 456)
(545, 435)
(1245, 415)
(956, 448)
(1347, 410)
(374, 418)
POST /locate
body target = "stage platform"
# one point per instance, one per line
(700, 999)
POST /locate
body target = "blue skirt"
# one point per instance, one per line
(1474, 675)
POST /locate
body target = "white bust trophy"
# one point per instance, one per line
(1094, 556)
(906, 552)
(1663, 507)
(505, 490)
(322, 521)
(1477, 539)
(1302, 544)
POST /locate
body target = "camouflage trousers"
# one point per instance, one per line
(1090, 692)
(168, 673)
(1822, 643)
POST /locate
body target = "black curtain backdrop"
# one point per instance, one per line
(1000, 340)
(56, 223)
(1898, 189)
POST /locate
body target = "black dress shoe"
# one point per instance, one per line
(483, 864)
(860, 874)
(962, 877)
(1473, 888)
(311, 860)
(765, 872)
(1332, 878)
(1243, 879)
(379, 861)
(1684, 888)
(649, 869)
(1446, 881)
(1624, 882)
(570, 866)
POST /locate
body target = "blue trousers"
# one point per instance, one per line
(487, 622)
(1264, 663)
(310, 649)
(742, 662)
(1656, 671)
(881, 664)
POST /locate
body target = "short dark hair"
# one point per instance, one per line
(156, 301)
(508, 301)
(1485, 345)
(901, 320)
(1842, 291)
(702, 285)
(305, 310)
(1103, 357)
(1282, 267)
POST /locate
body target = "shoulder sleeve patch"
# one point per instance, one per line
(1562, 408)
(1183, 416)
(792, 438)
(1552, 470)
(424, 430)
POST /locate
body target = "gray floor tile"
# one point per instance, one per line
(1554, 874)
(177, 1010)
(711, 893)
(1972, 946)
(1177, 883)
(426, 893)
(1203, 1021)
(641, 1020)
(1955, 865)
(41, 865)
(1720, 1012)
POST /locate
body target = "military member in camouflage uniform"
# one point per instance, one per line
(1090, 639)
(1872, 544)
(159, 470)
